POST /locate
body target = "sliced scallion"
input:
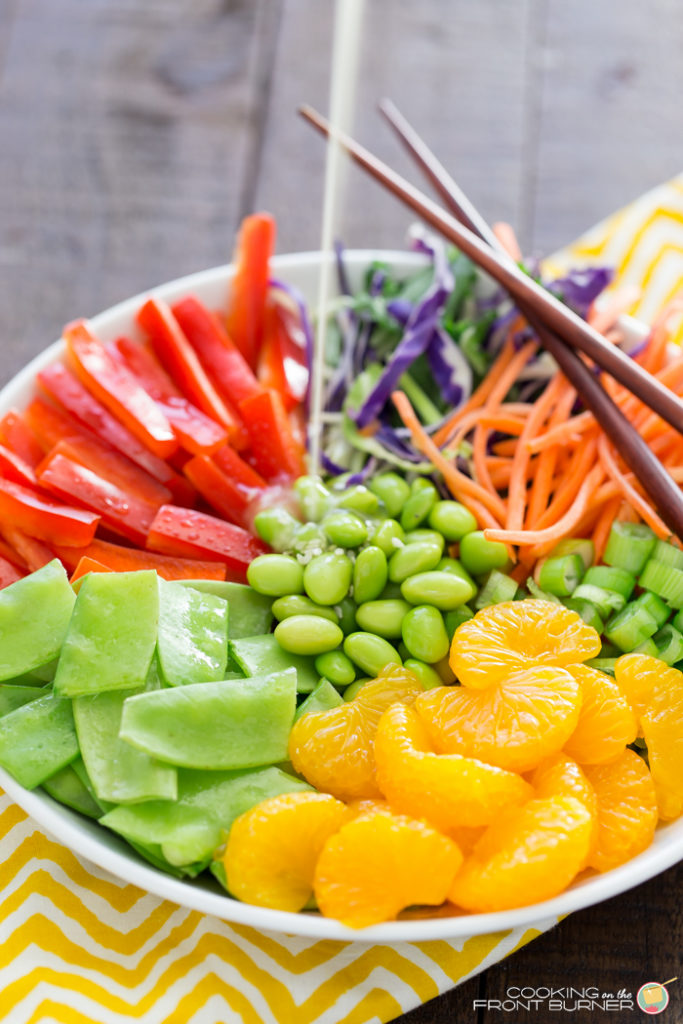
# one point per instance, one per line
(664, 580)
(603, 664)
(667, 554)
(611, 578)
(561, 575)
(575, 546)
(588, 612)
(631, 626)
(539, 593)
(648, 647)
(629, 546)
(669, 643)
(606, 601)
(657, 608)
(497, 588)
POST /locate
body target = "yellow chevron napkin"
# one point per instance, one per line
(78, 946)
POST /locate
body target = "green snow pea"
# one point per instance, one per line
(34, 616)
(13, 697)
(249, 612)
(192, 640)
(38, 739)
(263, 655)
(66, 787)
(323, 698)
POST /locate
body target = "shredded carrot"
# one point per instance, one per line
(640, 504)
(517, 488)
(505, 234)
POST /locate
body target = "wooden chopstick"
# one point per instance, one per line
(474, 241)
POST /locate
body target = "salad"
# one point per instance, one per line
(443, 675)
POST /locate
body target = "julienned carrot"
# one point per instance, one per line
(517, 488)
(580, 465)
(642, 507)
(542, 486)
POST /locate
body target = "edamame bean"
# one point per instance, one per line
(421, 483)
(336, 667)
(479, 555)
(441, 589)
(276, 575)
(426, 675)
(298, 604)
(345, 529)
(351, 691)
(382, 617)
(309, 540)
(308, 634)
(418, 505)
(455, 567)
(314, 497)
(360, 499)
(452, 519)
(391, 592)
(370, 652)
(389, 536)
(431, 536)
(413, 558)
(392, 489)
(346, 610)
(424, 633)
(370, 573)
(327, 577)
(277, 527)
(456, 618)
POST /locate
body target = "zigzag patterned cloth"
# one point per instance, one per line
(78, 946)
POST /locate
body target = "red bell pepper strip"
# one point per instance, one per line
(118, 390)
(175, 352)
(275, 452)
(127, 514)
(44, 517)
(13, 467)
(51, 424)
(196, 431)
(10, 553)
(91, 417)
(227, 494)
(33, 553)
(282, 360)
(122, 559)
(8, 573)
(220, 357)
(86, 565)
(191, 534)
(249, 286)
(16, 435)
(114, 467)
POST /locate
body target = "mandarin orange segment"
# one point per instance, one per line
(508, 637)
(379, 864)
(559, 775)
(530, 854)
(513, 724)
(656, 693)
(333, 750)
(446, 789)
(627, 809)
(606, 722)
(273, 848)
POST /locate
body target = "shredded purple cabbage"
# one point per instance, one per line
(452, 372)
(400, 309)
(580, 288)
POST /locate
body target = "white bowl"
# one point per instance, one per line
(103, 848)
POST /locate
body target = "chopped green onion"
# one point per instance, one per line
(603, 664)
(659, 611)
(667, 554)
(648, 647)
(497, 588)
(575, 546)
(677, 621)
(606, 601)
(629, 546)
(540, 594)
(631, 626)
(588, 612)
(561, 575)
(669, 643)
(664, 580)
(611, 578)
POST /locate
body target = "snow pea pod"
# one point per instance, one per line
(38, 739)
(262, 655)
(192, 640)
(66, 787)
(13, 697)
(34, 617)
(250, 612)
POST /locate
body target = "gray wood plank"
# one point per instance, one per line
(611, 116)
(456, 69)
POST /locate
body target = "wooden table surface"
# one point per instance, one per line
(136, 133)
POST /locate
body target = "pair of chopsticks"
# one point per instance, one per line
(561, 331)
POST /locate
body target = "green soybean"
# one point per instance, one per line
(277, 527)
(360, 499)
(337, 667)
(346, 610)
(370, 652)
(352, 691)
(370, 573)
(452, 519)
(457, 617)
(345, 529)
(479, 555)
(391, 592)
(299, 604)
(413, 558)
(327, 577)
(308, 634)
(276, 575)
(392, 489)
(309, 540)
(441, 589)
(424, 633)
(418, 506)
(426, 675)
(382, 617)
(389, 536)
(314, 497)
(430, 536)
(455, 567)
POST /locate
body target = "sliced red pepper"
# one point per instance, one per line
(33, 553)
(127, 514)
(177, 355)
(275, 452)
(118, 390)
(121, 559)
(223, 491)
(196, 431)
(237, 470)
(282, 360)
(192, 534)
(13, 467)
(220, 357)
(16, 435)
(86, 565)
(249, 286)
(90, 417)
(51, 424)
(45, 518)
(114, 467)
(8, 573)
(8, 552)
